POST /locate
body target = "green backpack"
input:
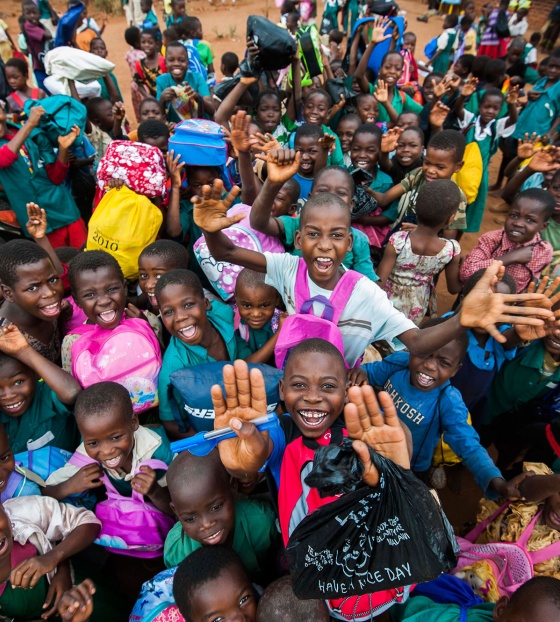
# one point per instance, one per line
(61, 114)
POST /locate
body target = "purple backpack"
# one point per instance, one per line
(129, 354)
(130, 526)
(305, 325)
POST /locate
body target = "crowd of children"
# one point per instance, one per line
(268, 255)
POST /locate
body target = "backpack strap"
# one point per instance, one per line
(153, 463)
(17, 99)
(477, 531)
(542, 555)
(35, 93)
(301, 291)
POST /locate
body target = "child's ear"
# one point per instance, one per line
(500, 608)
(297, 240)
(206, 304)
(135, 422)
(350, 241)
(172, 506)
(281, 389)
(450, 220)
(459, 166)
(292, 209)
(7, 293)
(456, 370)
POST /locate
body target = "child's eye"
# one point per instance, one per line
(116, 438)
(32, 288)
(189, 519)
(6, 458)
(168, 312)
(244, 599)
(92, 444)
(245, 305)
(218, 619)
(188, 305)
(298, 385)
(54, 279)
(142, 275)
(19, 382)
(217, 507)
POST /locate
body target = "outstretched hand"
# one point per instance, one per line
(379, 30)
(239, 134)
(36, 224)
(368, 426)
(526, 147)
(210, 210)
(243, 400)
(77, 604)
(390, 138)
(281, 164)
(381, 92)
(438, 114)
(550, 289)
(482, 308)
(12, 340)
(265, 142)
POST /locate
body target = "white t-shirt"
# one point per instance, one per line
(368, 316)
(480, 133)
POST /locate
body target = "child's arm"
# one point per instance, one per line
(15, 144)
(86, 478)
(387, 264)
(539, 487)
(543, 161)
(380, 27)
(481, 308)
(438, 115)
(467, 91)
(295, 99)
(454, 284)
(210, 214)
(146, 484)
(242, 143)
(353, 60)
(118, 113)
(281, 165)
(76, 605)
(511, 101)
(172, 217)
(64, 385)
(37, 228)
(227, 107)
(382, 95)
(111, 89)
(386, 198)
(326, 145)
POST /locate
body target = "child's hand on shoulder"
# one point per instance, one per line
(145, 482)
(36, 224)
(356, 377)
(77, 604)
(369, 427)
(66, 141)
(12, 340)
(35, 116)
(210, 210)
(390, 138)
(175, 168)
(281, 164)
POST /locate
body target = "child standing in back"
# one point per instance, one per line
(413, 259)
(34, 38)
(17, 75)
(147, 69)
(445, 43)
(345, 129)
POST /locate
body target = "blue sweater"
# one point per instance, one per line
(428, 414)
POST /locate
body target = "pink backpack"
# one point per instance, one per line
(511, 562)
(129, 354)
(130, 526)
(304, 324)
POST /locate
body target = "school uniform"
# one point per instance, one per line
(401, 102)
(445, 44)
(429, 414)
(47, 422)
(179, 355)
(357, 259)
(377, 234)
(538, 116)
(254, 535)
(194, 80)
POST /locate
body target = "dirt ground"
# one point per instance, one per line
(224, 28)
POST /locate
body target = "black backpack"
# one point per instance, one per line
(502, 27)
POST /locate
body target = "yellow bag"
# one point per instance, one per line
(123, 224)
(470, 175)
(443, 454)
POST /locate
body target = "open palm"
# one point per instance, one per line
(210, 210)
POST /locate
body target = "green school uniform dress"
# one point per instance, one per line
(47, 422)
(194, 80)
(552, 234)
(179, 355)
(441, 63)
(357, 259)
(539, 115)
(401, 103)
(254, 534)
(26, 181)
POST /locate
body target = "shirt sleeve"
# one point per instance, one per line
(277, 267)
(161, 85)
(501, 130)
(464, 441)
(379, 372)
(409, 105)
(7, 156)
(442, 41)
(466, 120)
(199, 85)
(542, 256)
(291, 225)
(57, 171)
(361, 256)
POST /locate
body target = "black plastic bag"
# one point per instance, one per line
(276, 46)
(335, 87)
(371, 539)
(502, 25)
(383, 7)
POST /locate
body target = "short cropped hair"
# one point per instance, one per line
(180, 277)
(91, 261)
(152, 128)
(449, 140)
(15, 254)
(175, 255)
(98, 398)
(437, 201)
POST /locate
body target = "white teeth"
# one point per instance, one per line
(313, 417)
(14, 406)
(188, 331)
(113, 462)
(108, 316)
(324, 259)
(424, 379)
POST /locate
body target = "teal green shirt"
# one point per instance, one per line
(254, 535)
(401, 103)
(357, 259)
(46, 417)
(519, 381)
(258, 336)
(194, 80)
(423, 609)
(179, 355)
(336, 157)
(104, 92)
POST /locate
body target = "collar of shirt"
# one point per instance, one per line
(507, 245)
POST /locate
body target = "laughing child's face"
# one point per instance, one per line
(391, 69)
(316, 109)
(345, 132)
(256, 304)
(18, 384)
(308, 148)
(409, 148)
(524, 220)
(184, 313)
(428, 88)
(177, 62)
(150, 268)
(439, 164)
(38, 290)
(365, 151)
(314, 391)
(101, 295)
(206, 510)
(430, 372)
(324, 238)
(367, 109)
(109, 438)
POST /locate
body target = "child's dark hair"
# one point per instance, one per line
(404, 113)
(293, 188)
(95, 40)
(542, 589)
(152, 128)
(199, 568)
(92, 261)
(187, 467)
(476, 276)
(452, 19)
(100, 397)
(495, 68)
(409, 33)
(437, 202)
(172, 253)
(352, 116)
(493, 92)
(176, 44)
(180, 277)
(449, 140)
(369, 128)
(93, 105)
(417, 130)
(535, 38)
(266, 93)
(188, 25)
(432, 75)
(391, 53)
(333, 168)
(467, 20)
(321, 92)
(149, 100)
(478, 66)
(15, 254)
(317, 346)
(171, 34)
(279, 604)
(132, 36)
(462, 338)
(337, 36)
(308, 131)
(362, 97)
(66, 253)
(230, 61)
(151, 32)
(19, 64)
(545, 200)
(251, 279)
(467, 61)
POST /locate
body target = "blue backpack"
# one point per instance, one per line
(193, 386)
(199, 143)
(431, 48)
(381, 48)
